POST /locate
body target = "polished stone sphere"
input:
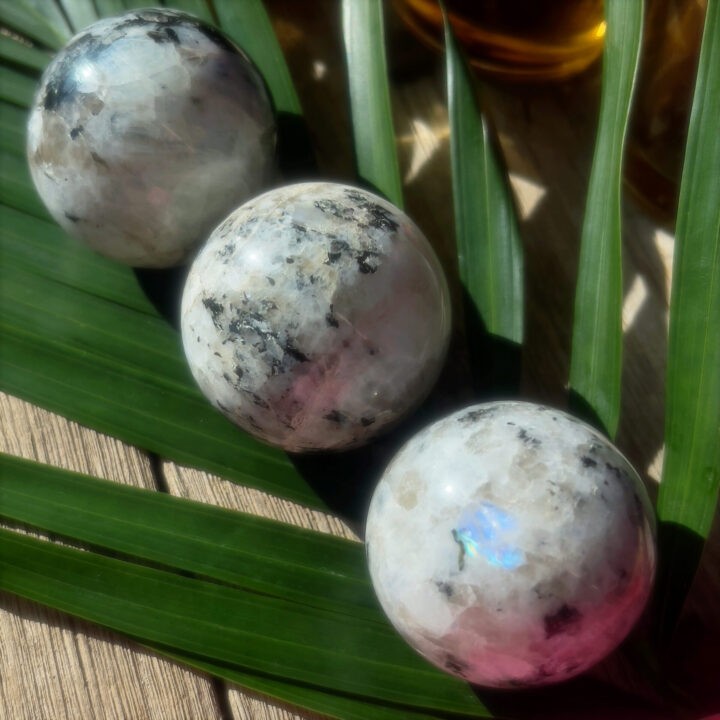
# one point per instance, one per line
(511, 544)
(316, 316)
(146, 130)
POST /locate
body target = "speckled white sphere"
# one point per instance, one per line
(511, 544)
(315, 316)
(146, 130)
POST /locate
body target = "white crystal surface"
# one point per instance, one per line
(511, 544)
(146, 130)
(315, 316)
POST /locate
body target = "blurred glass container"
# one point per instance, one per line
(656, 143)
(519, 40)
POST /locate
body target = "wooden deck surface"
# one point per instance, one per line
(53, 667)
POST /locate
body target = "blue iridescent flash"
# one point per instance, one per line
(483, 532)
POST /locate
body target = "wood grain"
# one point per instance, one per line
(53, 667)
(56, 668)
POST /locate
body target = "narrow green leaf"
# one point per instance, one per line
(249, 26)
(26, 56)
(336, 706)
(16, 187)
(109, 8)
(81, 13)
(133, 407)
(230, 626)
(376, 156)
(51, 11)
(41, 247)
(198, 8)
(231, 547)
(691, 472)
(16, 87)
(489, 246)
(12, 128)
(596, 362)
(24, 18)
(103, 357)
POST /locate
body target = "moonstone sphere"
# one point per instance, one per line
(146, 130)
(315, 316)
(511, 544)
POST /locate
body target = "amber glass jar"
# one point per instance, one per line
(521, 40)
(656, 144)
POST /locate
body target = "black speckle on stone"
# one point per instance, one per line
(336, 416)
(513, 683)
(257, 400)
(330, 207)
(270, 280)
(163, 34)
(455, 665)
(615, 470)
(367, 261)
(214, 308)
(474, 415)
(366, 422)
(216, 354)
(337, 248)
(528, 439)
(445, 588)
(221, 406)
(294, 353)
(542, 674)
(588, 461)
(228, 379)
(98, 159)
(227, 250)
(254, 423)
(542, 591)
(71, 217)
(289, 260)
(215, 36)
(510, 422)
(76, 131)
(564, 620)
(377, 216)
(330, 318)
(461, 545)
(299, 228)
(239, 372)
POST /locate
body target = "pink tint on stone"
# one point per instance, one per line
(511, 545)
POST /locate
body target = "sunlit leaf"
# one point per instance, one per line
(489, 248)
(691, 472)
(596, 361)
(234, 548)
(375, 151)
(230, 626)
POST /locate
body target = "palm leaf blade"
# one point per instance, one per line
(230, 547)
(363, 32)
(691, 472)
(489, 247)
(596, 360)
(227, 625)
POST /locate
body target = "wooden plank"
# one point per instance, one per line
(53, 666)
(195, 485)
